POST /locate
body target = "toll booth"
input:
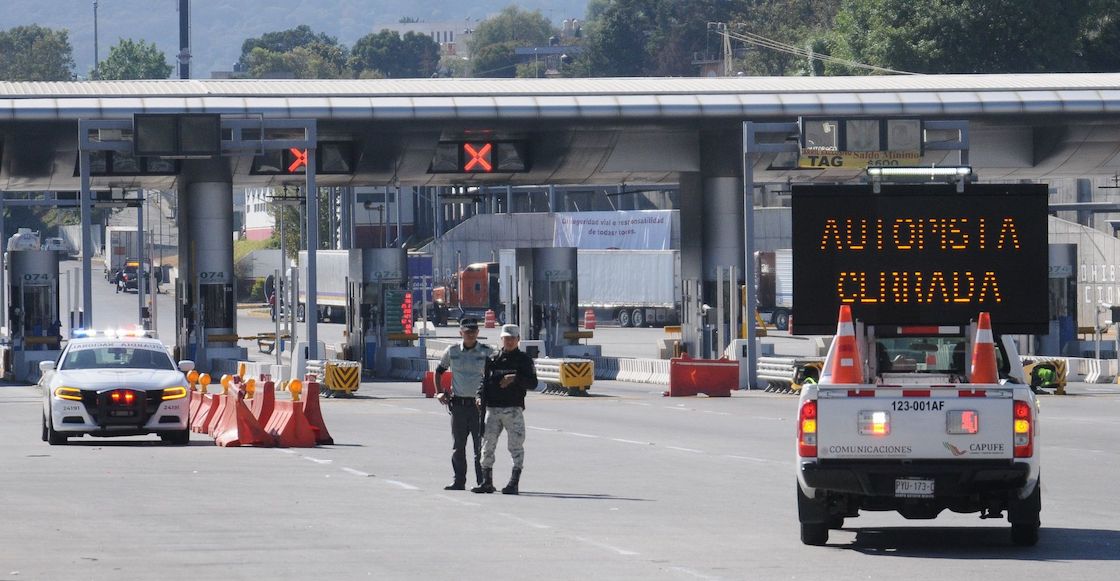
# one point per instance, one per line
(34, 329)
(543, 294)
(379, 293)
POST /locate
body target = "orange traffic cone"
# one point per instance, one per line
(846, 364)
(589, 319)
(489, 320)
(984, 353)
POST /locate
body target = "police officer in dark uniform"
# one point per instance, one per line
(508, 374)
(466, 362)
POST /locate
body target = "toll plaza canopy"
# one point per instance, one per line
(572, 130)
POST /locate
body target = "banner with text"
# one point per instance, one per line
(625, 230)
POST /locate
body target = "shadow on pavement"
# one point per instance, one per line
(1055, 544)
(570, 496)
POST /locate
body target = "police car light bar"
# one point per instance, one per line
(112, 333)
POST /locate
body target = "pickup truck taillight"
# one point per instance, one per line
(807, 430)
(1024, 430)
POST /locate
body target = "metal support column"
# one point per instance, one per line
(86, 198)
(752, 150)
(312, 228)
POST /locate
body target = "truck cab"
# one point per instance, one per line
(916, 427)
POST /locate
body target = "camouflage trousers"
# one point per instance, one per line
(512, 419)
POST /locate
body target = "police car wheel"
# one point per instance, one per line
(815, 534)
(43, 421)
(53, 438)
(179, 438)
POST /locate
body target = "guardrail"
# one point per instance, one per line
(785, 374)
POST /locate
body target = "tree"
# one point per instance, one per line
(801, 23)
(963, 36)
(495, 40)
(297, 52)
(650, 37)
(284, 41)
(133, 60)
(393, 56)
(34, 53)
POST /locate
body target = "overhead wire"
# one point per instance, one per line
(759, 40)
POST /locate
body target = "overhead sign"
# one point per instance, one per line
(859, 143)
(628, 230)
(332, 158)
(920, 255)
(480, 157)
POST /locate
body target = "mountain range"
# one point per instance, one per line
(219, 27)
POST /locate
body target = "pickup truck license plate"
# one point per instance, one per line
(914, 487)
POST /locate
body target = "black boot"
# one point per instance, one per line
(459, 484)
(487, 485)
(511, 488)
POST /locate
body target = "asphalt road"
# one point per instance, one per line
(623, 485)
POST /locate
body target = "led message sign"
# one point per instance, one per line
(920, 255)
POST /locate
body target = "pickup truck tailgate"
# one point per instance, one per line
(919, 423)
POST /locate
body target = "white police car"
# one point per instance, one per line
(115, 383)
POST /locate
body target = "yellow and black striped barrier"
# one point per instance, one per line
(573, 375)
(342, 377)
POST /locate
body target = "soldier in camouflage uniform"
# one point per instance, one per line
(507, 376)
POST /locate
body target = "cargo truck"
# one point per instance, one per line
(121, 243)
(637, 288)
(332, 268)
(775, 286)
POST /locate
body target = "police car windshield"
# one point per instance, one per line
(116, 357)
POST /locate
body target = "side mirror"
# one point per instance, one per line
(45, 366)
(186, 366)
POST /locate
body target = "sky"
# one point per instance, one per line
(220, 26)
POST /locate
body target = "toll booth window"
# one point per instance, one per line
(38, 316)
(217, 300)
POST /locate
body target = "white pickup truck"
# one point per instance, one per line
(917, 436)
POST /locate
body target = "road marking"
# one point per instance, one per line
(677, 409)
(523, 521)
(752, 459)
(717, 413)
(544, 429)
(685, 449)
(625, 441)
(581, 435)
(692, 573)
(410, 409)
(285, 450)
(317, 460)
(617, 550)
(400, 484)
(357, 472)
(457, 501)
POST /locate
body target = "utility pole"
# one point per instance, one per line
(96, 54)
(184, 38)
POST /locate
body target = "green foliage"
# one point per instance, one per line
(651, 37)
(963, 36)
(297, 52)
(802, 23)
(290, 217)
(496, 39)
(133, 60)
(34, 53)
(393, 56)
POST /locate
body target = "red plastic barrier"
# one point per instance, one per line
(195, 401)
(314, 414)
(711, 377)
(220, 403)
(263, 402)
(289, 426)
(428, 384)
(204, 413)
(238, 427)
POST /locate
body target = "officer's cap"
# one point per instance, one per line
(511, 331)
(469, 324)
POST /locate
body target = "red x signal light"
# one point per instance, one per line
(299, 159)
(478, 159)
